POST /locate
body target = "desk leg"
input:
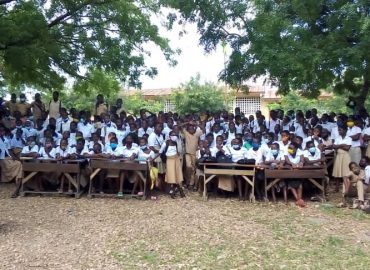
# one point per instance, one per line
(205, 195)
(24, 181)
(89, 195)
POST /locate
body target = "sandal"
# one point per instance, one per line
(120, 194)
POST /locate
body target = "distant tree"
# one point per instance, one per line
(194, 97)
(42, 43)
(134, 103)
(297, 45)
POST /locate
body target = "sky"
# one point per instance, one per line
(191, 61)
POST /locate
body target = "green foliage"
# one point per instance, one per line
(293, 101)
(194, 97)
(134, 103)
(298, 45)
(42, 43)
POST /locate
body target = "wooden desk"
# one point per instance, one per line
(210, 170)
(312, 173)
(65, 167)
(117, 164)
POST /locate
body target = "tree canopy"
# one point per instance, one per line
(42, 43)
(297, 45)
(195, 97)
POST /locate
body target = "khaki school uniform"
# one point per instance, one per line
(357, 181)
(191, 147)
(23, 108)
(173, 166)
(342, 158)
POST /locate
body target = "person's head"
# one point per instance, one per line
(298, 140)
(97, 148)
(277, 128)
(364, 162)
(18, 133)
(354, 168)
(39, 123)
(256, 143)
(285, 136)
(216, 128)
(128, 140)
(37, 97)
(191, 129)
(310, 146)
(55, 95)
(63, 144)
(342, 131)
(31, 141)
(95, 137)
(292, 148)
(113, 143)
(158, 128)
(64, 113)
(22, 98)
(73, 127)
(170, 123)
(66, 134)
(143, 143)
(219, 140)
(350, 122)
(119, 103)
(325, 133)
(18, 123)
(236, 144)
(52, 121)
(49, 143)
(273, 114)
(317, 131)
(13, 97)
(106, 118)
(275, 149)
(80, 144)
(28, 124)
(232, 127)
(99, 99)
(209, 138)
(79, 135)
(173, 136)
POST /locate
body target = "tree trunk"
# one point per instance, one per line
(362, 95)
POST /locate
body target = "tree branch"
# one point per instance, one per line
(67, 14)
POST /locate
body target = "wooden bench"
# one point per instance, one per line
(98, 165)
(32, 167)
(210, 172)
(311, 173)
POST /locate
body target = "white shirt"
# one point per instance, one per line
(63, 125)
(16, 143)
(239, 128)
(270, 125)
(346, 140)
(256, 155)
(155, 141)
(141, 131)
(367, 175)
(299, 130)
(86, 130)
(295, 160)
(127, 153)
(283, 147)
(64, 153)
(270, 156)
(118, 151)
(316, 156)
(354, 131)
(3, 150)
(308, 139)
(105, 130)
(29, 132)
(27, 149)
(237, 155)
(43, 154)
(144, 156)
(214, 151)
(334, 133)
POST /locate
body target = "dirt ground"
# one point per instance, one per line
(67, 233)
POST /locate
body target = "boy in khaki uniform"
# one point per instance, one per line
(355, 179)
(191, 136)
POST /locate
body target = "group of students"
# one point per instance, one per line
(175, 144)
